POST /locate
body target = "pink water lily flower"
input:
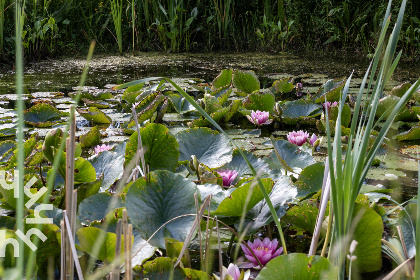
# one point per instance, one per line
(228, 176)
(264, 250)
(102, 148)
(313, 139)
(298, 138)
(327, 105)
(259, 118)
(233, 272)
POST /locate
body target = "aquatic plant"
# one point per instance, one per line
(264, 250)
(259, 118)
(299, 138)
(328, 105)
(233, 273)
(313, 139)
(104, 147)
(228, 176)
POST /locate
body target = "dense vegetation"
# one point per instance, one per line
(64, 27)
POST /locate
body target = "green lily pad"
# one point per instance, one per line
(239, 164)
(88, 189)
(132, 92)
(400, 90)
(222, 94)
(91, 138)
(210, 147)
(97, 104)
(109, 164)
(162, 197)
(216, 116)
(260, 101)
(389, 102)
(218, 193)
(233, 206)
(407, 219)
(298, 266)
(222, 80)
(211, 103)
(412, 134)
(161, 148)
(300, 108)
(246, 81)
(282, 193)
(42, 115)
(310, 179)
(180, 104)
(345, 115)
(7, 132)
(96, 207)
(6, 149)
(51, 143)
(88, 238)
(95, 115)
(282, 86)
(160, 269)
(332, 89)
(288, 156)
(368, 234)
(303, 215)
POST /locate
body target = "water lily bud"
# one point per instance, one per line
(193, 163)
(353, 246)
(278, 110)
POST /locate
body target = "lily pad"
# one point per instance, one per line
(297, 266)
(300, 108)
(389, 102)
(233, 206)
(42, 115)
(260, 101)
(89, 237)
(222, 80)
(412, 134)
(109, 164)
(96, 207)
(180, 104)
(162, 197)
(132, 92)
(310, 179)
(95, 115)
(288, 156)
(303, 215)
(345, 115)
(407, 219)
(368, 234)
(400, 90)
(332, 89)
(282, 193)
(246, 81)
(282, 86)
(91, 138)
(7, 132)
(239, 164)
(210, 147)
(161, 150)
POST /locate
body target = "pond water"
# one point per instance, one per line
(63, 75)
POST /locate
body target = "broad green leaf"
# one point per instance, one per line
(180, 104)
(246, 81)
(303, 215)
(42, 115)
(345, 115)
(401, 89)
(163, 197)
(368, 234)
(288, 156)
(160, 269)
(7, 132)
(300, 108)
(282, 86)
(262, 101)
(407, 219)
(222, 80)
(94, 115)
(89, 237)
(233, 206)
(91, 138)
(210, 147)
(310, 179)
(51, 143)
(412, 134)
(96, 207)
(109, 165)
(211, 103)
(282, 193)
(298, 266)
(332, 89)
(161, 148)
(390, 101)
